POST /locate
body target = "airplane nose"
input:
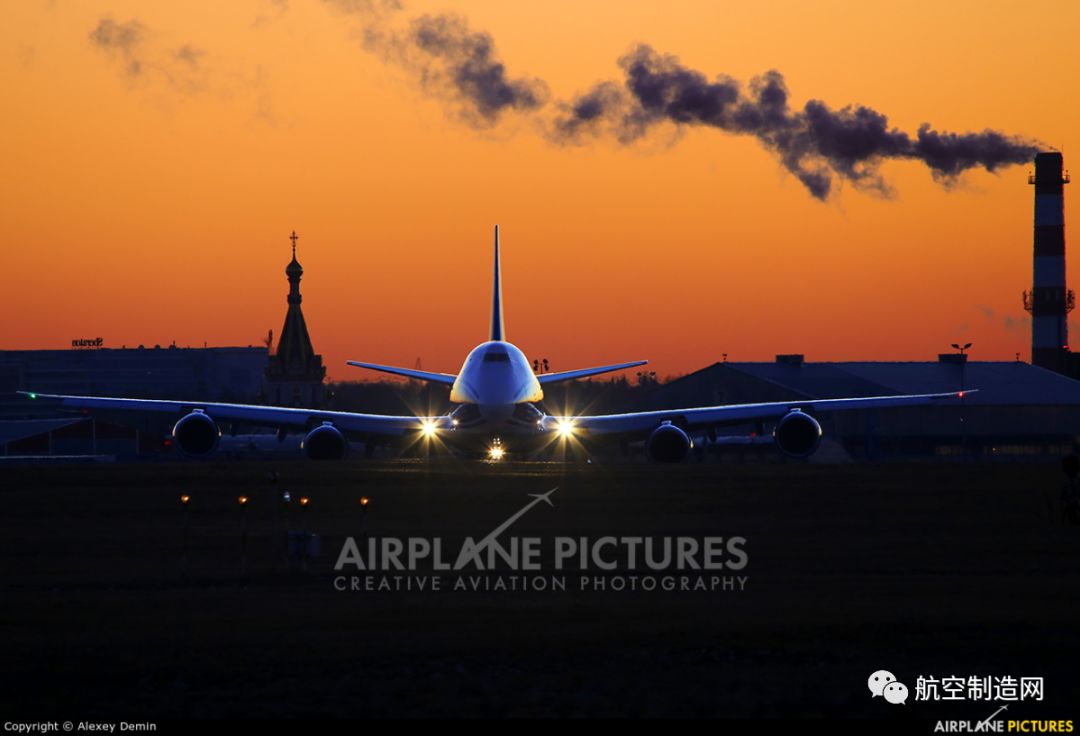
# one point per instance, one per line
(496, 413)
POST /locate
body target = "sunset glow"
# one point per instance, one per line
(151, 187)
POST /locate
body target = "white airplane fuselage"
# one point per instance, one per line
(496, 377)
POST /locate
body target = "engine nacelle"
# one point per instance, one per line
(325, 442)
(797, 434)
(196, 434)
(668, 444)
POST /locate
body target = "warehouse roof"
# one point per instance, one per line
(998, 383)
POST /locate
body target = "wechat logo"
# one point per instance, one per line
(884, 684)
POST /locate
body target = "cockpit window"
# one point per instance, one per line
(496, 357)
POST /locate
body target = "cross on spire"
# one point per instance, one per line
(294, 237)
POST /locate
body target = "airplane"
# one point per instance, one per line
(496, 399)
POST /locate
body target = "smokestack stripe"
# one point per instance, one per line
(1049, 333)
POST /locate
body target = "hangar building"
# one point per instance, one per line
(1019, 410)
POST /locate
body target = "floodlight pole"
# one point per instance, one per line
(963, 365)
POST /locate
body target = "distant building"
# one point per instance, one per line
(204, 374)
(291, 376)
(1018, 410)
(42, 427)
(294, 375)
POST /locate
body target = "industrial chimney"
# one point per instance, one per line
(1049, 301)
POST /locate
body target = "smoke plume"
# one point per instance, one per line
(143, 57)
(452, 58)
(449, 59)
(122, 39)
(816, 143)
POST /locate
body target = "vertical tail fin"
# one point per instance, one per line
(497, 331)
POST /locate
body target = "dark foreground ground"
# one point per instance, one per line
(918, 569)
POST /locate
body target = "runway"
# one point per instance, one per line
(136, 607)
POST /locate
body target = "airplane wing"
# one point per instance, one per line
(445, 378)
(264, 416)
(545, 378)
(712, 416)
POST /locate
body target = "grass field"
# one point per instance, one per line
(919, 569)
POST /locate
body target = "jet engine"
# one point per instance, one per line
(797, 434)
(325, 442)
(668, 444)
(196, 434)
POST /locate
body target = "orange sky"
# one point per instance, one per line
(156, 207)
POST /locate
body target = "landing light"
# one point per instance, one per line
(429, 428)
(496, 453)
(565, 428)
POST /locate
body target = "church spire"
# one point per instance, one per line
(295, 367)
(294, 271)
